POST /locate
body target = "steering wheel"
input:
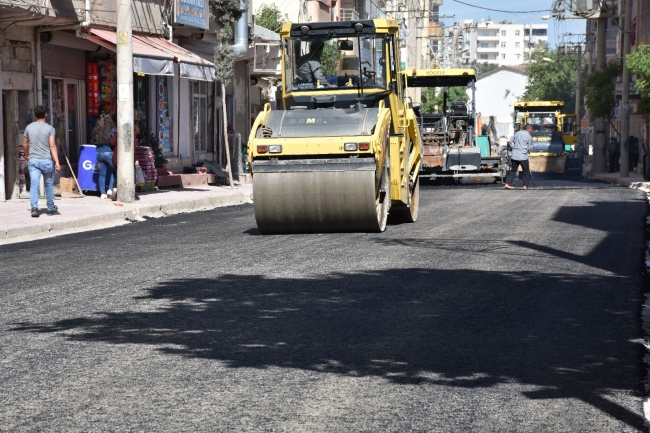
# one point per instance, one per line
(370, 75)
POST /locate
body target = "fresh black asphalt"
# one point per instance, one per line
(498, 311)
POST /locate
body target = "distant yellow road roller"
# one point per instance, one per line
(342, 151)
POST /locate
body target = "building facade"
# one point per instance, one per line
(504, 43)
(64, 57)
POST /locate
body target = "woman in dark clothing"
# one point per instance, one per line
(101, 138)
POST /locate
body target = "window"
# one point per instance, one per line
(503, 44)
(503, 32)
(483, 57)
(484, 45)
(200, 115)
(517, 56)
(163, 109)
(516, 32)
(140, 109)
(516, 44)
(301, 63)
(539, 32)
(503, 56)
(483, 33)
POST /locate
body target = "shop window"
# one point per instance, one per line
(200, 115)
(163, 107)
(140, 123)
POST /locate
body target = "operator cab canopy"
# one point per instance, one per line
(439, 77)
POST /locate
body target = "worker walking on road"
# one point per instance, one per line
(520, 144)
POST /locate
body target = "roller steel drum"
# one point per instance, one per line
(317, 197)
(547, 163)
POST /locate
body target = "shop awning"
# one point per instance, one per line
(155, 56)
(191, 65)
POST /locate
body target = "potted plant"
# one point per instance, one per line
(158, 153)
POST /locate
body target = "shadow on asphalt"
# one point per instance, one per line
(460, 328)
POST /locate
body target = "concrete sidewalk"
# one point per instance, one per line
(634, 180)
(91, 213)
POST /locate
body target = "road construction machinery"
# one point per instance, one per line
(343, 151)
(451, 148)
(555, 143)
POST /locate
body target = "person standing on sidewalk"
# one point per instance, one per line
(43, 159)
(101, 138)
(633, 151)
(520, 144)
(614, 151)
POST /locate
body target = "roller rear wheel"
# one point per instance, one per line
(408, 214)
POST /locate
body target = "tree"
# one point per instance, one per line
(552, 76)
(432, 103)
(638, 64)
(270, 17)
(225, 13)
(599, 91)
(329, 60)
(482, 68)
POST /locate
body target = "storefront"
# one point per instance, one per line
(63, 81)
(171, 86)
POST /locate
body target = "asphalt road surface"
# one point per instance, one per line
(498, 311)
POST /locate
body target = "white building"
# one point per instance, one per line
(504, 43)
(496, 93)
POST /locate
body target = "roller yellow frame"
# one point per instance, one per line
(343, 150)
(548, 119)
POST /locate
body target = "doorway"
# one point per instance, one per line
(61, 97)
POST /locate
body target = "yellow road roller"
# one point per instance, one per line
(342, 151)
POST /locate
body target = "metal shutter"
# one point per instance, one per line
(63, 62)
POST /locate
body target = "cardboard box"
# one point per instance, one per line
(69, 185)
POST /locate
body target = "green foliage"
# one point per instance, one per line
(225, 13)
(158, 151)
(482, 68)
(599, 90)
(433, 104)
(270, 17)
(330, 59)
(552, 76)
(638, 64)
(224, 63)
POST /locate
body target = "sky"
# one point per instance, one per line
(518, 12)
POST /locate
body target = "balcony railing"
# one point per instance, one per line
(347, 14)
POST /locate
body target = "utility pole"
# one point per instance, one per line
(417, 91)
(578, 84)
(124, 149)
(625, 96)
(587, 138)
(600, 164)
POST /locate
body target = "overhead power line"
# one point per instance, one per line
(498, 10)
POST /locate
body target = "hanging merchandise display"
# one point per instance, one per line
(92, 84)
(107, 87)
